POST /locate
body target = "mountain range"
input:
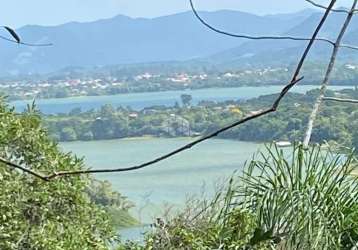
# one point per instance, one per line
(179, 37)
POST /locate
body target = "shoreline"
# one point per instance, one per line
(79, 97)
(152, 137)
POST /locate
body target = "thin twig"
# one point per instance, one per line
(313, 39)
(163, 157)
(327, 77)
(26, 44)
(347, 46)
(26, 170)
(333, 10)
(324, 7)
(187, 146)
(339, 100)
(244, 36)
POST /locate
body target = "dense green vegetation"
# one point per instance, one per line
(337, 122)
(303, 199)
(66, 213)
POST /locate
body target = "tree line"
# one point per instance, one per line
(287, 124)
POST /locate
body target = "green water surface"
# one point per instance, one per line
(170, 182)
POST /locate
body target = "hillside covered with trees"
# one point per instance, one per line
(184, 120)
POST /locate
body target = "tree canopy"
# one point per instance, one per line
(44, 215)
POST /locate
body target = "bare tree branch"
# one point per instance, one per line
(333, 10)
(26, 44)
(324, 7)
(26, 170)
(244, 36)
(347, 46)
(339, 100)
(16, 38)
(187, 146)
(313, 39)
(327, 77)
(166, 156)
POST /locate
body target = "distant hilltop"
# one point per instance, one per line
(179, 37)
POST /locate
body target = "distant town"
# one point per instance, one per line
(67, 85)
(144, 82)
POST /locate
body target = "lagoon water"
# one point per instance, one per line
(170, 182)
(168, 98)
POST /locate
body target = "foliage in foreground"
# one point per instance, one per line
(44, 215)
(303, 200)
(202, 225)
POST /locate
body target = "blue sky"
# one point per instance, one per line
(16, 13)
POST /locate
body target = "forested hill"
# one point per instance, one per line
(124, 40)
(335, 123)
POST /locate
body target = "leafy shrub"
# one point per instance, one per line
(302, 201)
(35, 214)
(305, 199)
(203, 225)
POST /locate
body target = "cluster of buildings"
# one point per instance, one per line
(255, 72)
(108, 85)
(49, 88)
